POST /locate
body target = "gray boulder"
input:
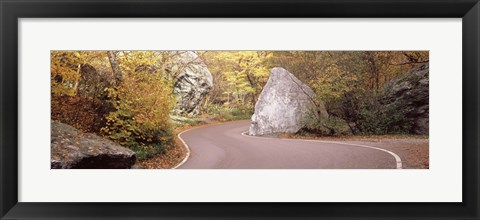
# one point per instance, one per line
(409, 94)
(282, 105)
(73, 149)
(192, 82)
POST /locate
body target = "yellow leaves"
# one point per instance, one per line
(241, 73)
(64, 72)
(143, 103)
(130, 60)
(77, 54)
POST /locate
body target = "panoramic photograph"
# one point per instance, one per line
(239, 109)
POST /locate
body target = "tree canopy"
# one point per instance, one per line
(128, 95)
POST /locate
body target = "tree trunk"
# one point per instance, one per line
(77, 81)
(254, 86)
(375, 72)
(117, 71)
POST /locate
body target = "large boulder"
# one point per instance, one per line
(73, 149)
(409, 94)
(192, 82)
(283, 104)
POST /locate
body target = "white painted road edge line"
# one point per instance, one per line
(397, 158)
(186, 147)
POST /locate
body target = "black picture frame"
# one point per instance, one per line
(12, 10)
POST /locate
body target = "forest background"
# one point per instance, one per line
(128, 96)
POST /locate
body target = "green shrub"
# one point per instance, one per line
(223, 113)
(214, 109)
(378, 119)
(147, 151)
(331, 125)
(237, 114)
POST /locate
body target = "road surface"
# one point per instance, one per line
(223, 146)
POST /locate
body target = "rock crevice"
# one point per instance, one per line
(192, 82)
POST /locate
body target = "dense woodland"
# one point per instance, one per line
(128, 96)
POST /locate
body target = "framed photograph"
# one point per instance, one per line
(251, 110)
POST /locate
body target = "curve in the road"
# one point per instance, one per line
(397, 158)
(187, 149)
(225, 146)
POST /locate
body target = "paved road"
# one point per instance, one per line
(224, 147)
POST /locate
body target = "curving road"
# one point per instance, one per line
(224, 146)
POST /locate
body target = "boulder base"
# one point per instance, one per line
(73, 149)
(282, 105)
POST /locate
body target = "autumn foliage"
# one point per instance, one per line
(142, 103)
(127, 96)
(130, 104)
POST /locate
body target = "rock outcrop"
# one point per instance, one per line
(410, 94)
(92, 82)
(73, 149)
(192, 82)
(282, 105)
